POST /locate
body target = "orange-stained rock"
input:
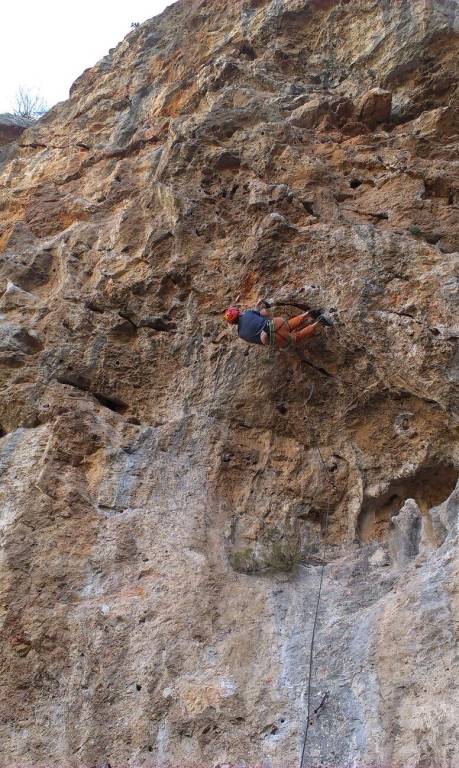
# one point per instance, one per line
(12, 126)
(375, 107)
(167, 493)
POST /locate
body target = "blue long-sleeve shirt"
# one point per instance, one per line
(250, 325)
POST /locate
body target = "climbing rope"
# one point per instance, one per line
(316, 615)
(271, 328)
(340, 380)
(272, 334)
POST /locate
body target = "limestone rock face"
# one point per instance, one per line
(170, 495)
(375, 107)
(12, 126)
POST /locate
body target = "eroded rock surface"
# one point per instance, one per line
(168, 494)
(11, 128)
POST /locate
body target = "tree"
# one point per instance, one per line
(29, 103)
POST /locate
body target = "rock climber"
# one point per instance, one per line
(257, 327)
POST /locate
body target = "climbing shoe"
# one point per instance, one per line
(324, 320)
(320, 316)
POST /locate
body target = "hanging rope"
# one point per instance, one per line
(316, 615)
(272, 334)
(272, 345)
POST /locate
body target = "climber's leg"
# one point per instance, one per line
(298, 320)
(305, 333)
(283, 334)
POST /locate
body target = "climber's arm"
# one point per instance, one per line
(262, 306)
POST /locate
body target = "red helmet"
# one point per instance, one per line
(232, 315)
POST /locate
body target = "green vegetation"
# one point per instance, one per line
(274, 552)
(243, 560)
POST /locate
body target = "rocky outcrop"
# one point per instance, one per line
(12, 126)
(169, 495)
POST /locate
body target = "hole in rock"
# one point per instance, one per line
(433, 239)
(436, 187)
(124, 331)
(138, 686)
(28, 343)
(271, 729)
(429, 487)
(94, 307)
(113, 404)
(308, 206)
(12, 361)
(247, 50)
(354, 183)
(73, 380)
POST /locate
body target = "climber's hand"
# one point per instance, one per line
(263, 304)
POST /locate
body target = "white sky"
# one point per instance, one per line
(46, 44)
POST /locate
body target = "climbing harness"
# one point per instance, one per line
(316, 616)
(270, 323)
(271, 333)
